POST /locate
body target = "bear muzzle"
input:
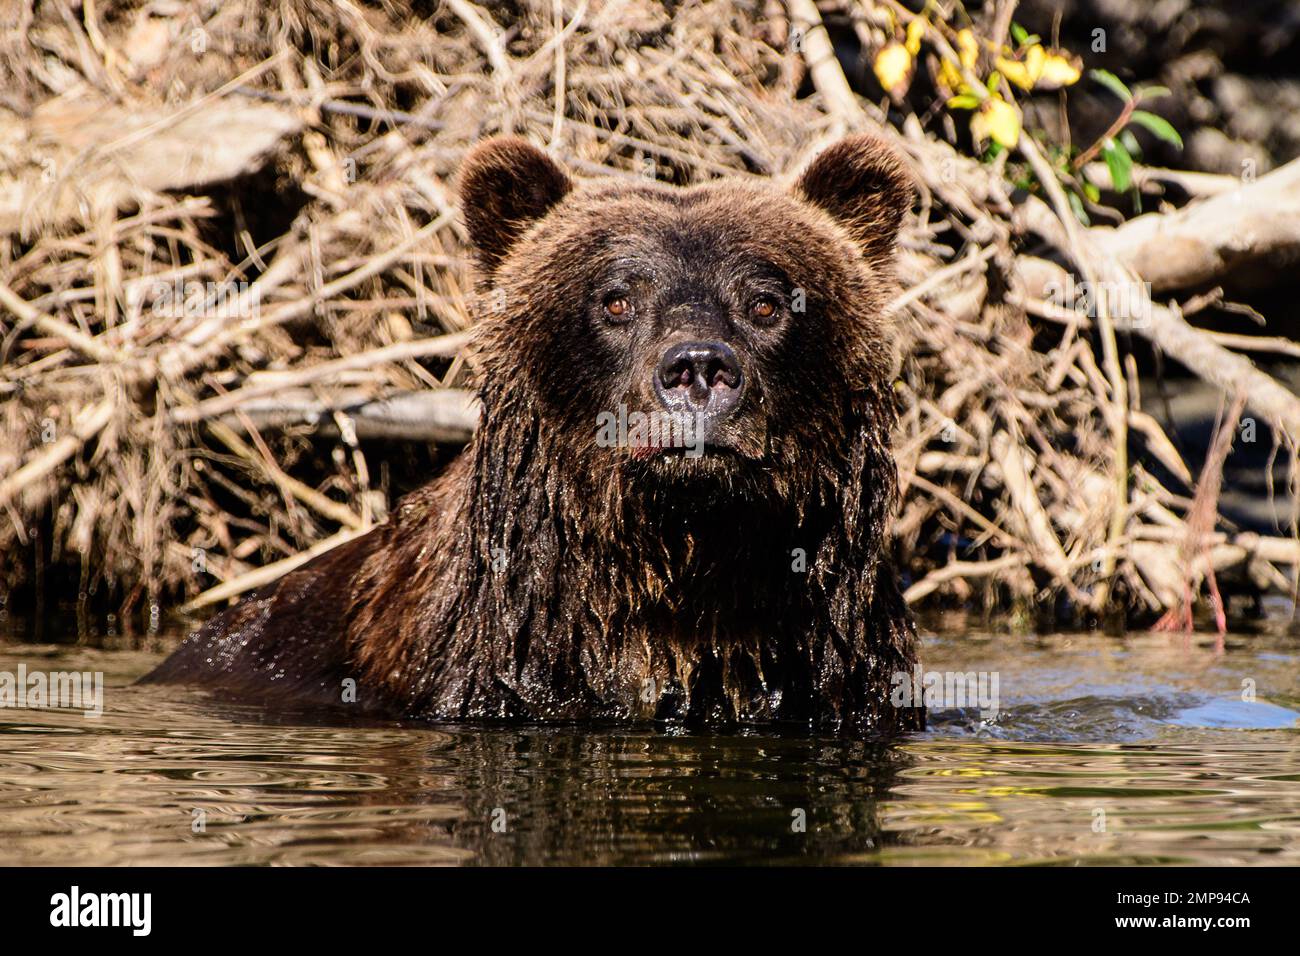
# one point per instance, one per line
(699, 379)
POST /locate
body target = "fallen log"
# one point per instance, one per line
(79, 152)
(1255, 225)
(443, 415)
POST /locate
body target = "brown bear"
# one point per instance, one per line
(675, 505)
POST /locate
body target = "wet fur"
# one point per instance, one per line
(543, 577)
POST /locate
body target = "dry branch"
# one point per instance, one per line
(1194, 348)
(445, 415)
(266, 574)
(444, 346)
(87, 425)
(236, 425)
(1214, 238)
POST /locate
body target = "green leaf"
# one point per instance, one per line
(1130, 143)
(1022, 36)
(1112, 83)
(1077, 205)
(1151, 92)
(1158, 126)
(1092, 192)
(1120, 164)
(963, 101)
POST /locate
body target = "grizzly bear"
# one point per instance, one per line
(676, 502)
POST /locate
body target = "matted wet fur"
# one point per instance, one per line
(547, 576)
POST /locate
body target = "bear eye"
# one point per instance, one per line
(764, 310)
(617, 308)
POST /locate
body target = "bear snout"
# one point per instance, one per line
(700, 379)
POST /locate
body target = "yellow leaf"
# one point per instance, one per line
(1016, 72)
(968, 48)
(998, 120)
(950, 77)
(1060, 68)
(1024, 73)
(915, 30)
(893, 68)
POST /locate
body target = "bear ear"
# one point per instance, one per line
(506, 184)
(864, 186)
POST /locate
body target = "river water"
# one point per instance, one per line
(1149, 749)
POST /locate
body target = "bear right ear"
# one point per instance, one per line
(506, 185)
(864, 186)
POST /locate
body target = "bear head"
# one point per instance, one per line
(728, 335)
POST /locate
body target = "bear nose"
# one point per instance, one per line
(699, 377)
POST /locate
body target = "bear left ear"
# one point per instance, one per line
(507, 184)
(864, 186)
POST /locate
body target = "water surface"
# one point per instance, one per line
(1145, 750)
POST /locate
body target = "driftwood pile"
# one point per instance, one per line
(233, 281)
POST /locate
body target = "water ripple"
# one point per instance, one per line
(1103, 752)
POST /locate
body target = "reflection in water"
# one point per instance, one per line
(1103, 751)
